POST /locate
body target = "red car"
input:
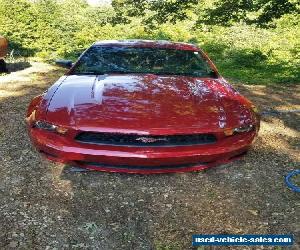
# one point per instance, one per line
(142, 107)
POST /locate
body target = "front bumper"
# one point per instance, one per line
(143, 160)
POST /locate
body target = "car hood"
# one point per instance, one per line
(147, 104)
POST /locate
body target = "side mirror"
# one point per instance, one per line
(64, 63)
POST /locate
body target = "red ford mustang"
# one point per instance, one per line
(142, 107)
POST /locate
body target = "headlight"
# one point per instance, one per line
(50, 127)
(243, 129)
(45, 125)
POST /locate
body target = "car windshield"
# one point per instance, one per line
(103, 60)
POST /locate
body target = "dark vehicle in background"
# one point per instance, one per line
(3, 53)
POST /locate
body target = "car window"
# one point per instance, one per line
(102, 59)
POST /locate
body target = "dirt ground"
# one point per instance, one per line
(47, 206)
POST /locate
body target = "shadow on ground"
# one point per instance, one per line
(44, 205)
(17, 66)
(276, 97)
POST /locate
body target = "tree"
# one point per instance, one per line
(152, 11)
(224, 12)
(260, 12)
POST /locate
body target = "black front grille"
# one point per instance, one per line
(144, 140)
(130, 167)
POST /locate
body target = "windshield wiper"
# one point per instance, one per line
(173, 73)
(87, 73)
(211, 74)
(120, 72)
(105, 72)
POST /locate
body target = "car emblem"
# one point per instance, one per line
(150, 139)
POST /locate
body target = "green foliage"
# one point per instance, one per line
(222, 12)
(243, 52)
(255, 55)
(152, 12)
(261, 12)
(48, 28)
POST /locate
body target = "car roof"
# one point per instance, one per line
(148, 44)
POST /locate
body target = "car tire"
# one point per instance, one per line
(3, 68)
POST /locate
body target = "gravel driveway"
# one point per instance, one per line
(48, 206)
